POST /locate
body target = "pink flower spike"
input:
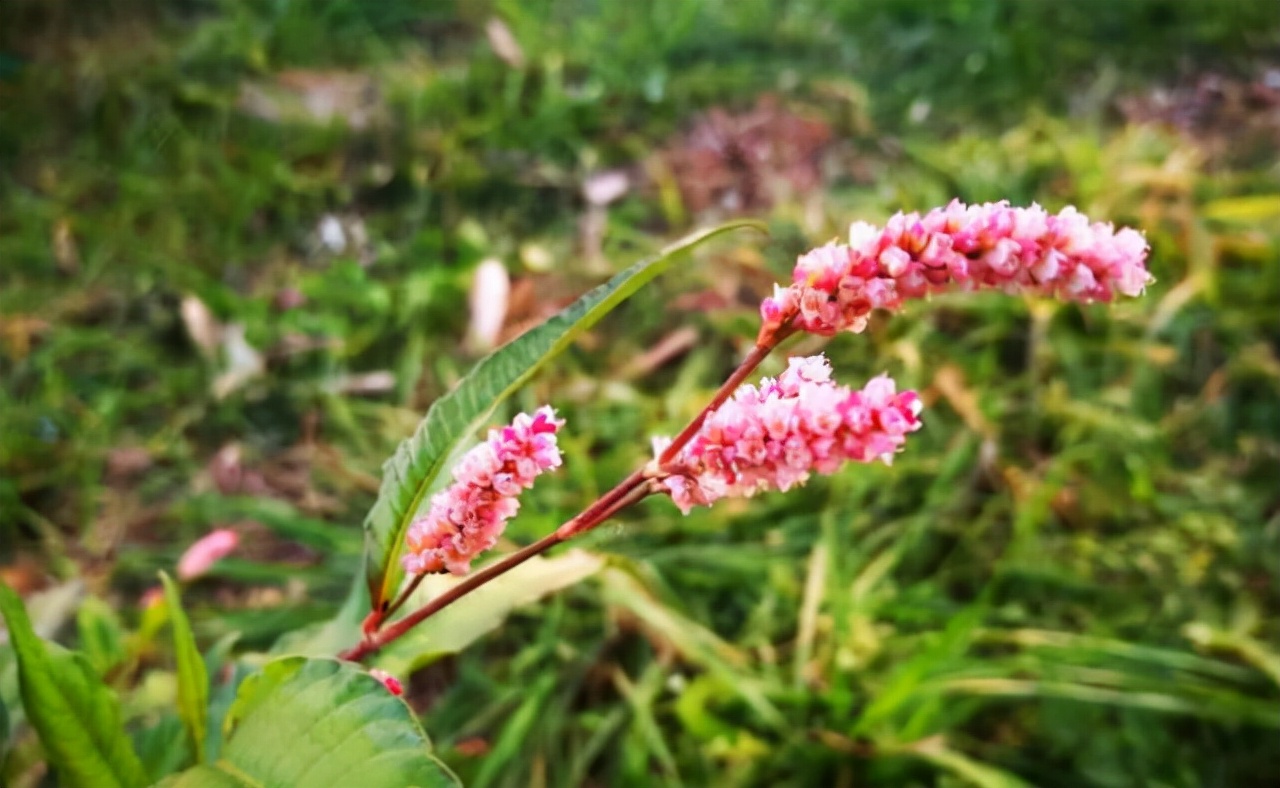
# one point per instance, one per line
(960, 247)
(775, 435)
(468, 517)
(207, 551)
(392, 683)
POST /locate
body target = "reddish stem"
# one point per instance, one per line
(630, 490)
(740, 374)
(371, 644)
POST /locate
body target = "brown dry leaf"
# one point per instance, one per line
(1233, 120)
(18, 333)
(472, 747)
(25, 575)
(534, 299)
(226, 471)
(378, 382)
(126, 462)
(949, 381)
(671, 346)
(65, 251)
(746, 162)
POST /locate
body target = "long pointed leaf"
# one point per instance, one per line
(76, 716)
(193, 679)
(409, 475)
(972, 771)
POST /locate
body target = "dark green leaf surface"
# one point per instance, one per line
(193, 679)
(4, 730)
(315, 723)
(408, 476)
(76, 716)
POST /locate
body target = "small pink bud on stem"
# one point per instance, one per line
(392, 683)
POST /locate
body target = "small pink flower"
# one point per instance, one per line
(467, 518)
(392, 683)
(775, 435)
(968, 247)
(207, 551)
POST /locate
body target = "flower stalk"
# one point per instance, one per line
(751, 438)
(630, 490)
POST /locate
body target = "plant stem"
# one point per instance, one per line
(628, 491)
(740, 374)
(373, 622)
(376, 641)
(469, 583)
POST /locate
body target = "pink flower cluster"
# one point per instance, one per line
(1018, 250)
(775, 435)
(467, 518)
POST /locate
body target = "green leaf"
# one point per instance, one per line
(409, 475)
(101, 637)
(482, 611)
(1251, 210)
(974, 772)
(691, 640)
(9, 692)
(75, 715)
(4, 730)
(205, 777)
(193, 680)
(306, 723)
(327, 638)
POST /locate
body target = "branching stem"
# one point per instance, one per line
(627, 492)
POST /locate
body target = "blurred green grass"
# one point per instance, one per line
(1068, 577)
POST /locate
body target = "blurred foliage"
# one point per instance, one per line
(217, 219)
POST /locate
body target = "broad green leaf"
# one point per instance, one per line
(193, 680)
(316, 723)
(409, 475)
(481, 611)
(206, 777)
(76, 716)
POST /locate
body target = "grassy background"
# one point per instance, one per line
(1067, 579)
